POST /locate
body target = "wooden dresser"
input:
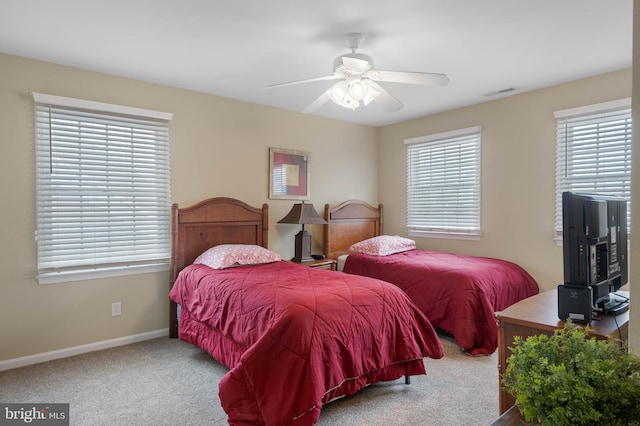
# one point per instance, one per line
(539, 315)
(511, 417)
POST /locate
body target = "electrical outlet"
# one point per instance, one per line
(116, 309)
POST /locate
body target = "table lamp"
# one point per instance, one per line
(303, 214)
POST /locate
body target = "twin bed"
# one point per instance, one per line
(459, 294)
(293, 337)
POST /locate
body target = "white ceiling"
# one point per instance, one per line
(235, 48)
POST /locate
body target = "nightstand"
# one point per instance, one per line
(329, 264)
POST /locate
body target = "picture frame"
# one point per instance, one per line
(289, 174)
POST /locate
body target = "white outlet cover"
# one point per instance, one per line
(116, 309)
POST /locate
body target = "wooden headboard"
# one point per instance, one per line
(348, 223)
(209, 223)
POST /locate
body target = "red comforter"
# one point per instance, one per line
(459, 294)
(296, 337)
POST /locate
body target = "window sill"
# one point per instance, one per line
(91, 274)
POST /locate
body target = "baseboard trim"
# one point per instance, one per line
(82, 349)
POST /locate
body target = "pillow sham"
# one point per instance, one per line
(227, 255)
(383, 245)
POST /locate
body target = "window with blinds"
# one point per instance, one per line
(443, 184)
(593, 153)
(103, 189)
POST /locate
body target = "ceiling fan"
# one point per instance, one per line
(358, 80)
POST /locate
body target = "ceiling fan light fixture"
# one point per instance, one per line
(349, 102)
(370, 95)
(357, 89)
(338, 91)
(350, 92)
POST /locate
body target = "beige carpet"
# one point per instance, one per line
(169, 382)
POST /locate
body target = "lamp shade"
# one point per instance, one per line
(304, 214)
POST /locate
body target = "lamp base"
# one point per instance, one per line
(303, 247)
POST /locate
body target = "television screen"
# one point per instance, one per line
(594, 230)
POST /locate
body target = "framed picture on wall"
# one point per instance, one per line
(289, 174)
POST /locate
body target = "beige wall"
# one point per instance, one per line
(518, 161)
(219, 148)
(518, 171)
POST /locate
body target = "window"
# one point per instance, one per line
(103, 195)
(593, 153)
(443, 184)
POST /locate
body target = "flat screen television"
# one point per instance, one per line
(594, 230)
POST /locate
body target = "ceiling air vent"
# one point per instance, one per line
(500, 92)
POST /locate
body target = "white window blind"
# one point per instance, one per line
(443, 184)
(593, 153)
(103, 189)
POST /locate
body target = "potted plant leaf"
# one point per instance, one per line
(569, 378)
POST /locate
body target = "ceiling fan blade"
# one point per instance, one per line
(385, 99)
(322, 99)
(355, 64)
(291, 83)
(409, 77)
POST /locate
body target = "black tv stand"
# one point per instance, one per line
(613, 305)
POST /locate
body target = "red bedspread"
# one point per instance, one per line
(296, 337)
(459, 294)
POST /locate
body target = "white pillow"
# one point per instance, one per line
(227, 255)
(383, 245)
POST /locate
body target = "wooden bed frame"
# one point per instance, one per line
(348, 223)
(245, 390)
(209, 223)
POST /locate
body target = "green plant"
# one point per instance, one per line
(570, 379)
